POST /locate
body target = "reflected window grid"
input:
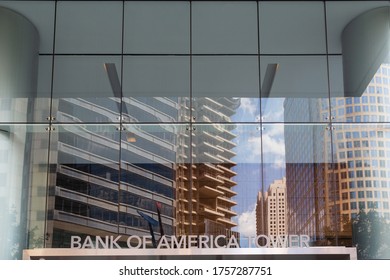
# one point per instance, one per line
(120, 169)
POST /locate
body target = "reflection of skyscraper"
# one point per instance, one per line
(326, 191)
(93, 193)
(306, 181)
(271, 210)
(204, 192)
(362, 151)
(261, 211)
(97, 196)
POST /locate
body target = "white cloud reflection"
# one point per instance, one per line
(247, 222)
(249, 105)
(273, 145)
(257, 151)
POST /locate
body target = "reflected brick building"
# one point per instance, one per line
(271, 210)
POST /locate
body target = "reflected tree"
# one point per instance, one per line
(368, 232)
(337, 237)
(14, 240)
(13, 237)
(371, 235)
(36, 240)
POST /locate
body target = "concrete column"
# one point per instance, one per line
(19, 42)
(366, 45)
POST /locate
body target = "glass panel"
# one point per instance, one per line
(154, 177)
(19, 67)
(225, 88)
(83, 91)
(339, 14)
(84, 182)
(226, 179)
(297, 173)
(362, 171)
(41, 14)
(157, 27)
(156, 89)
(292, 28)
(294, 89)
(213, 144)
(89, 27)
(41, 110)
(29, 104)
(38, 144)
(23, 174)
(373, 105)
(228, 28)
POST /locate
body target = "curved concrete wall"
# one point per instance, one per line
(18, 79)
(366, 45)
(19, 49)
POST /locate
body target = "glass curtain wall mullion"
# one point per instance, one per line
(198, 131)
(190, 125)
(333, 181)
(51, 119)
(263, 189)
(121, 118)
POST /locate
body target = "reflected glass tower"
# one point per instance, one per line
(325, 196)
(362, 151)
(190, 108)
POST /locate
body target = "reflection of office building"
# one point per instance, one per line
(82, 149)
(362, 152)
(110, 151)
(346, 163)
(335, 193)
(271, 210)
(93, 194)
(87, 196)
(204, 191)
(260, 214)
(306, 182)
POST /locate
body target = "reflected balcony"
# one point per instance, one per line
(230, 104)
(227, 222)
(227, 211)
(211, 158)
(208, 101)
(226, 143)
(209, 212)
(210, 147)
(209, 192)
(227, 181)
(226, 161)
(182, 187)
(227, 153)
(207, 135)
(228, 192)
(183, 210)
(209, 166)
(228, 135)
(212, 113)
(227, 201)
(227, 171)
(209, 178)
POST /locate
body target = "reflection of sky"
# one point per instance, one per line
(249, 159)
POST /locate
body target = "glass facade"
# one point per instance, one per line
(234, 118)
